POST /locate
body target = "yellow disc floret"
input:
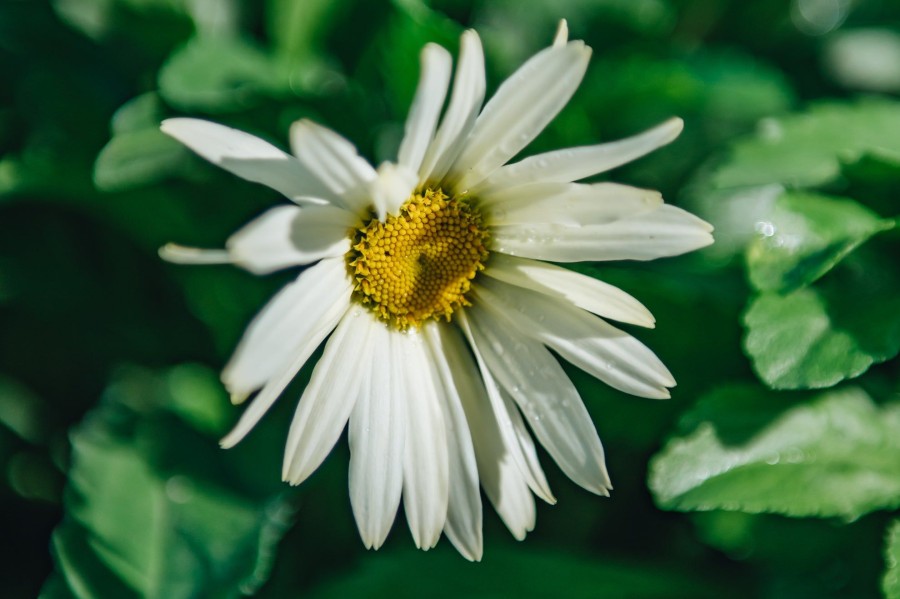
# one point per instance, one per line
(419, 264)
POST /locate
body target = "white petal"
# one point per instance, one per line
(568, 204)
(585, 292)
(289, 236)
(180, 254)
(465, 101)
(523, 105)
(335, 161)
(552, 406)
(667, 231)
(250, 158)
(573, 164)
(282, 376)
(328, 399)
(426, 465)
(498, 470)
(513, 432)
(562, 33)
(391, 188)
(377, 434)
(463, 526)
(290, 325)
(611, 355)
(426, 106)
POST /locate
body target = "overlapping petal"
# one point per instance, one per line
(251, 158)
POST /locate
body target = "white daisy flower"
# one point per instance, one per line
(427, 281)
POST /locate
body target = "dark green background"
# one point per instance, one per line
(109, 401)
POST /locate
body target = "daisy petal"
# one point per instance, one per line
(328, 399)
(426, 463)
(523, 105)
(568, 204)
(276, 385)
(391, 188)
(585, 292)
(562, 33)
(250, 158)
(466, 99)
(573, 164)
(552, 406)
(463, 526)
(666, 231)
(335, 161)
(595, 346)
(498, 470)
(180, 254)
(377, 434)
(288, 236)
(513, 432)
(315, 301)
(426, 106)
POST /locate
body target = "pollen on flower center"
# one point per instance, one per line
(420, 263)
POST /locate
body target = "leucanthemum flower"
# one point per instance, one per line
(430, 282)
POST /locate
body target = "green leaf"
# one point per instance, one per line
(137, 158)
(297, 28)
(805, 237)
(818, 336)
(220, 74)
(807, 150)
(890, 584)
(835, 456)
(512, 573)
(154, 510)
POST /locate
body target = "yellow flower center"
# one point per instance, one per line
(420, 263)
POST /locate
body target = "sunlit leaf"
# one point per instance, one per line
(142, 520)
(890, 584)
(806, 150)
(817, 336)
(806, 235)
(835, 456)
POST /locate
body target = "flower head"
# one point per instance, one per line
(427, 281)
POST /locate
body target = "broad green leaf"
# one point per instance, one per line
(518, 572)
(890, 584)
(806, 150)
(220, 74)
(820, 335)
(835, 456)
(806, 235)
(155, 510)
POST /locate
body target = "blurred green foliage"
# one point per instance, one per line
(744, 484)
